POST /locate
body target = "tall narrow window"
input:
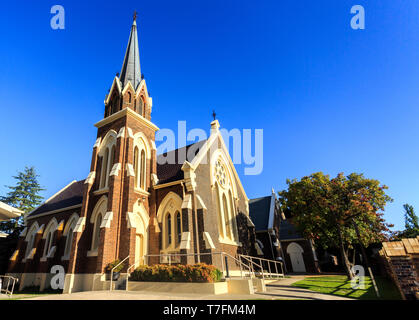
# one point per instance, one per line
(178, 227)
(142, 175)
(47, 244)
(69, 241)
(103, 177)
(30, 243)
(96, 232)
(136, 167)
(219, 213)
(169, 229)
(226, 216)
(111, 161)
(140, 106)
(129, 97)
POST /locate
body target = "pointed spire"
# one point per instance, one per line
(131, 67)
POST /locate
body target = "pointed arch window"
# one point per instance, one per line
(104, 173)
(141, 106)
(96, 232)
(136, 167)
(69, 239)
(129, 97)
(169, 229)
(142, 173)
(178, 233)
(226, 212)
(31, 240)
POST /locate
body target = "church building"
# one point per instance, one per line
(135, 204)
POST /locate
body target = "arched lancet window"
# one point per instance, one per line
(49, 237)
(178, 233)
(136, 167)
(104, 171)
(227, 218)
(169, 229)
(142, 174)
(129, 97)
(219, 213)
(225, 201)
(30, 237)
(115, 104)
(111, 163)
(141, 106)
(96, 231)
(68, 232)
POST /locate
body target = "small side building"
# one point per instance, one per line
(278, 239)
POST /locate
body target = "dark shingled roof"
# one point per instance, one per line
(172, 172)
(70, 196)
(259, 212)
(287, 231)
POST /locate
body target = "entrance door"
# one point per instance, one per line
(296, 255)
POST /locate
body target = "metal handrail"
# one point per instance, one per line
(269, 264)
(110, 289)
(222, 254)
(6, 291)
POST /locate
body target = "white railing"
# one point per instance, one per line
(260, 267)
(110, 288)
(250, 267)
(7, 285)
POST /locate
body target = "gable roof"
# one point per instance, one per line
(168, 172)
(287, 231)
(70, 196)
(260, 210)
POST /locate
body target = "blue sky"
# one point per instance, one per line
(328, 98)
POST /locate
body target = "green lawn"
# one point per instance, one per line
(340, 286)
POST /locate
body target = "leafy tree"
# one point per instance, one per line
(24, 196)
(411, 221)
(337, 212)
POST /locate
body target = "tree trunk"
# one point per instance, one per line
(364, 255)
(344, 257)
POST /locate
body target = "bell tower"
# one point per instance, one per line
(117, 199)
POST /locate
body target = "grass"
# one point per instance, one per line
(341, 286)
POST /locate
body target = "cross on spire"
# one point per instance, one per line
(135, 15)
(214, 114)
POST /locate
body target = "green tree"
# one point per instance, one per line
(411, 223)
(326, 210)
(24, 196)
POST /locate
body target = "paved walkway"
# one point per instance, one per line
(280, 289)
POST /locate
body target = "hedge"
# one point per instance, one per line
(177, 273)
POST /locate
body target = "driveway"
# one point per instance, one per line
(280, 289)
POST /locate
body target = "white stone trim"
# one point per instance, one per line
(92, 253)
(90, 178)
(200, 204)
(106, 222)
(130, 134)
(187, 202)
(209, 244)
(115, 169)
(130, 170)
(121, 133)
(80, 224)
(97, 143)
(154, 179)
(24, 232)
(185, 242)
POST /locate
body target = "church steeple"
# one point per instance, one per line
(131, 67)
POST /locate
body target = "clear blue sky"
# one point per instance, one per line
(329, 98)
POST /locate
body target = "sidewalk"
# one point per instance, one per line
(280, 289)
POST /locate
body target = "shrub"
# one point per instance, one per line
(177, 273)
(113, 264)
